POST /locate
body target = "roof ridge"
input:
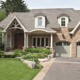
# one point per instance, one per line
(52, 8)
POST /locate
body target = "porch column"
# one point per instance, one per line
(11, 40)
(51, 42)
(25, 40)
(5, 43)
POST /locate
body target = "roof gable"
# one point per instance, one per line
(18, 22)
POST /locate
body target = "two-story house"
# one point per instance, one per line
(58, 29)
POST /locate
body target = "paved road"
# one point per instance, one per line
(64, 69)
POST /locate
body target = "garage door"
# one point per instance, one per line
(62, 49)
(78, 49)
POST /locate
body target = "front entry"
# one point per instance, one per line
(19, 40)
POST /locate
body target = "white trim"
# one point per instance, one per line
(42, 30)
(60, 21)
(72, 32)
(43, 22)
(51, 42)
(18, 22)
(40, 40)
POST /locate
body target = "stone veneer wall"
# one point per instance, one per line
(63, 34)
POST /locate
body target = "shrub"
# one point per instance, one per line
(1, 52)
(41, 55)
(1, 46)
(28, 56)
(34, 56)
(17, 52)
(7, 56)
(36, 50)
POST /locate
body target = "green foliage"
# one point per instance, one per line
(2, 15)
(34, 56)
(41, 55)
(17, 52)
(14, 6)
(1, 45)
(37, 50)
(14, 69)
(1, 52)
(7, 56)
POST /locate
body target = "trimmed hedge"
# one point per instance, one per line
(37, 50)
(34, 56)
(7, 56)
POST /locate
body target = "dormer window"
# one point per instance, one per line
(63, 21)
(39, 21)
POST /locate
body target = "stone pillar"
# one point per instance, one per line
(25, 40)
(73, 49)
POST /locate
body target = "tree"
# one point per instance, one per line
(14, 6)
(2, 15)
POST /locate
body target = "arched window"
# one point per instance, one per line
(78, 43)
(39, 21)
(62, 43)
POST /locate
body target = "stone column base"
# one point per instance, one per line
(52, 51)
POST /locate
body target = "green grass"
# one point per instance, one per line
(14, 69)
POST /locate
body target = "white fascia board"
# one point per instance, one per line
(72, 32)
(18, 22)
(42, 30)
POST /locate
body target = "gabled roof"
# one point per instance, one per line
(17, 21)
(73, 31)
(28, 21)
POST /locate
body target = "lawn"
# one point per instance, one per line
(14, 69)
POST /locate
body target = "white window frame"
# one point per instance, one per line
(40, 41)
(66, 21)
(43, 22)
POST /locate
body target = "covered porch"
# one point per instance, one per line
(16, 36)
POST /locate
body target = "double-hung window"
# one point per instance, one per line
(63, 22)
(39, 21)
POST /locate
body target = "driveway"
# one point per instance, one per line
(64, 69)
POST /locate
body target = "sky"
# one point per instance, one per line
(36, 4)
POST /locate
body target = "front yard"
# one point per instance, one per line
(14, 69)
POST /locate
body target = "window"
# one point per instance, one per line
(78, 44)
(62, 21)
(40, 41)
(59, 43)
(34, 41)
(40, 21)
(62, 43)
(47, 42)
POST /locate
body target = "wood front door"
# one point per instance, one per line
(19, 40)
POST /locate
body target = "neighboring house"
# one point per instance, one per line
(58, 29)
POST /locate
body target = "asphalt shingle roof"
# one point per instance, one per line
(28, 18)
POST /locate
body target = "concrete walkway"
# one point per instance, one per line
(46, 65)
